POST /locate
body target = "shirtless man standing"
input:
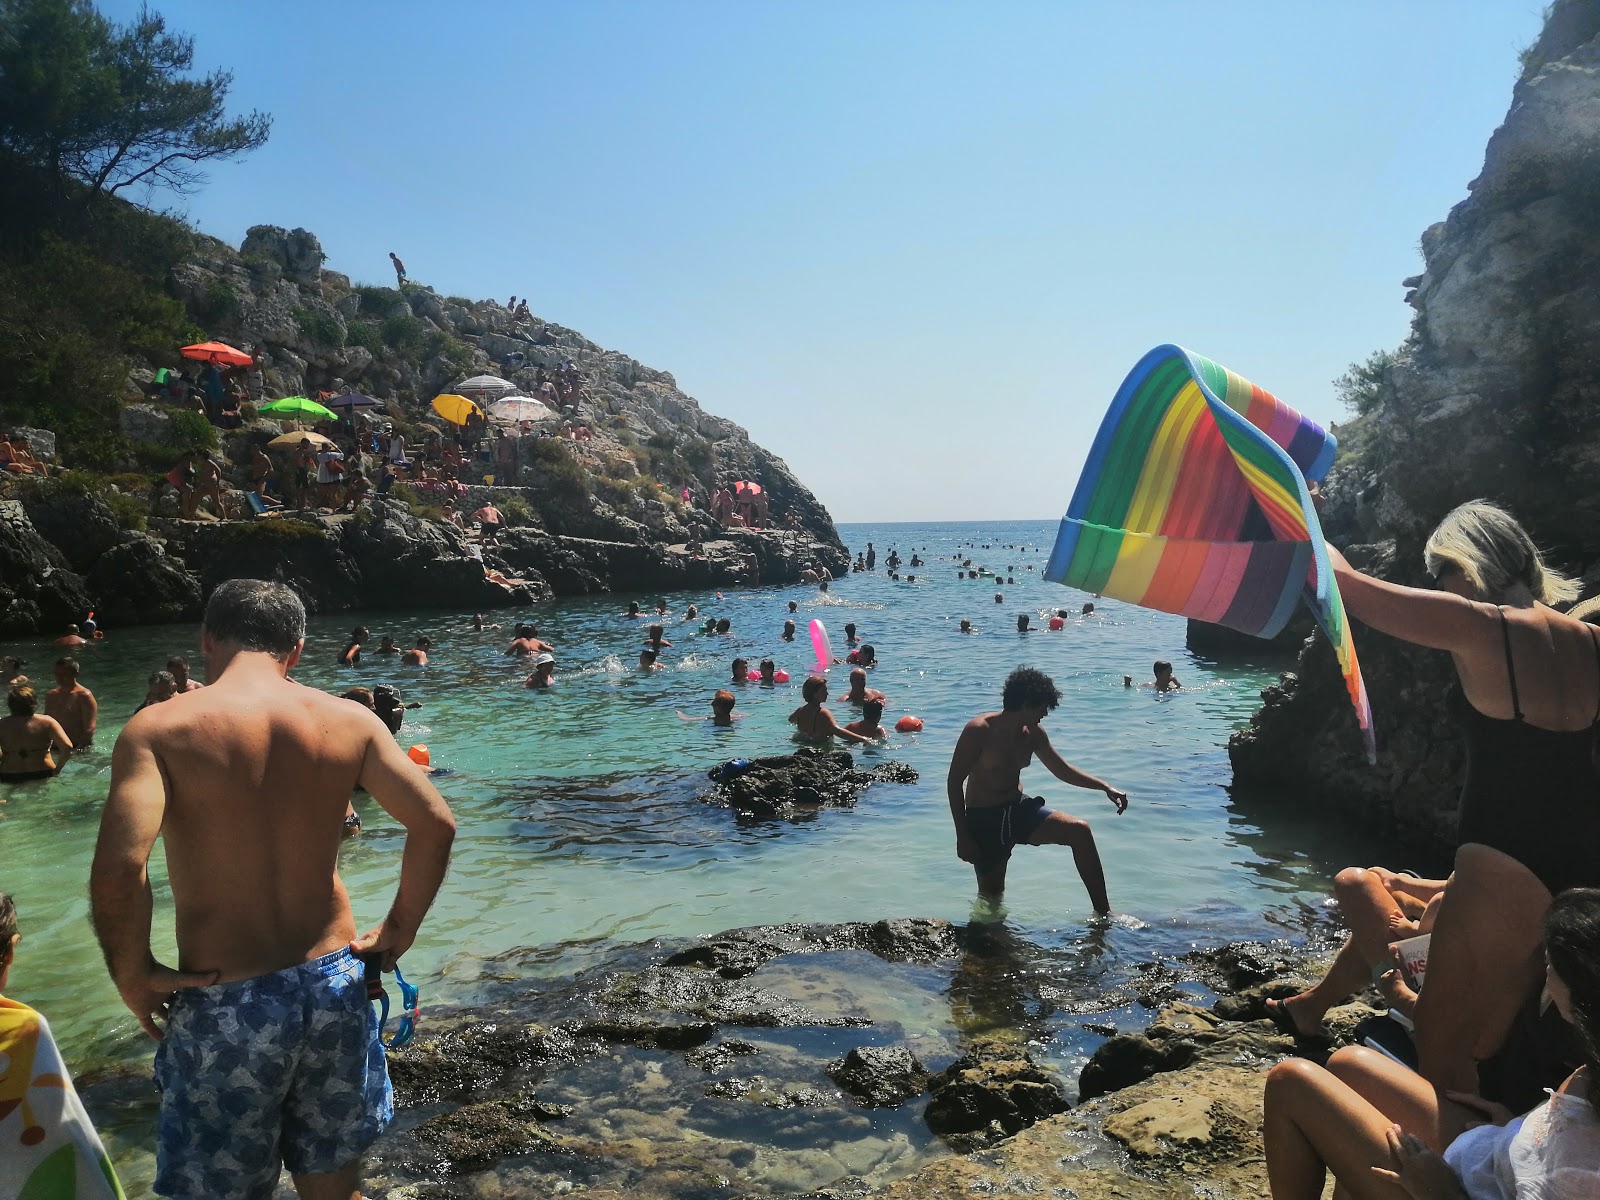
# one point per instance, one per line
(990, 812)
(270, 1054)
(71, 704)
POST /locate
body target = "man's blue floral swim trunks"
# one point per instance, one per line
(283, 1069)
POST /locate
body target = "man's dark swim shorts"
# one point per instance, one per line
(997, 828)
(283, 1069)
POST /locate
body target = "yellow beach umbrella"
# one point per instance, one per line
(455, 409)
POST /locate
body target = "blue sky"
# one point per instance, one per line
(913, 248)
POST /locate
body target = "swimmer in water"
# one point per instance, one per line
(859, 692)
(656, 638)
(850, 633)
(769, 672)
(966, 626)
(351, 654)
(477, 624)
(788, 631)
(647, 660)
(722, 714)
(863, 655)
(386, 645)
(987, 805)
(544, 672)
(527, 643)
(871, 723)
(1088, 607)
(815, 724)
(661, 607)
(999, 599)
(417, 656)
(633, 610)
(794, 606)
(1022, 623)
(741, 670)
(724, 625)
(692, 615)
(29, 743)
(1165, 680)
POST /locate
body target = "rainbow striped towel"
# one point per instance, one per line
(1194, 501)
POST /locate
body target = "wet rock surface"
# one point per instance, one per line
(880, 1076)
(797, 1060)
(992, 1091)
(797, 785)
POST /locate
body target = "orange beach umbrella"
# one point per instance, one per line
(217, 352)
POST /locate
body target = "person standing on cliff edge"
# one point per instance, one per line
(399, 269)
(987, 804)
(270, 1056)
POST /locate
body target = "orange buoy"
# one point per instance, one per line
(908, 724)
(418, 754)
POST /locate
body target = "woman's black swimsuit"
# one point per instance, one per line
(1533, 793)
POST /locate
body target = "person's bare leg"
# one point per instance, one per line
(343, 1184)
(1366, 906)
(1483, 964)
(992, 883)
(1314, 1123)
(1399, 1093)
(1058, 829)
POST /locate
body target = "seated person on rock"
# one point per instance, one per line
(1376, 1125)
(1379, 907)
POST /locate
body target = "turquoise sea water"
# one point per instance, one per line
(579, 823)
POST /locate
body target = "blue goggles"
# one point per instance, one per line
(410, 1013)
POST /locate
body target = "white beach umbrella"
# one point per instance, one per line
(480, 386)
(514, 410)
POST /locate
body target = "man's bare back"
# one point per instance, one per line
(258, 775)
(74, 708)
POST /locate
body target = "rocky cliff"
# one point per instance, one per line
(1496, 393)
(600, 514)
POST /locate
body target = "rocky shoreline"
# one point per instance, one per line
(63, 553)
(806, 1061)
(754, 1057)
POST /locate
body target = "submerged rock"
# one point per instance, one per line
(798, 784)
(880, 1076)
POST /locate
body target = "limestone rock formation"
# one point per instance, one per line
(1496, 393)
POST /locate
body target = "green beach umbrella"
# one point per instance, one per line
(297, 406)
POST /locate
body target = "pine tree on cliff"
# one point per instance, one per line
(110, 105)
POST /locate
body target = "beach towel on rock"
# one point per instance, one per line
(48, 1147)
(1194, 501)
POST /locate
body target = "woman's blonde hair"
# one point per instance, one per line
(1484, 542)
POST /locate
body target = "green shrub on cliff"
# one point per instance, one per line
(553, 467)
(321, 328)
(270, 536)
(403, 333)
(516, 511)
(190, 430)
(364, 334)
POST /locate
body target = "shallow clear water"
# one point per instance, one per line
(579, 826)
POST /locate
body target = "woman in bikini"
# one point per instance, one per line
(815, 724)
(1529, 702)
(28, 740)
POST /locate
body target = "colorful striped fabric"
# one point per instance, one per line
(1194, 501)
